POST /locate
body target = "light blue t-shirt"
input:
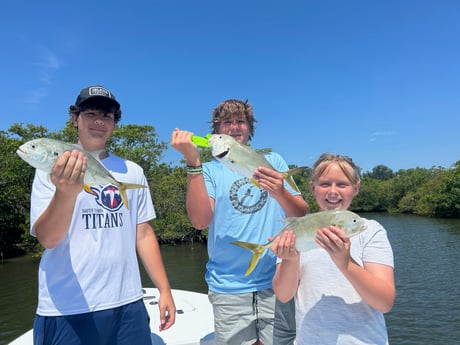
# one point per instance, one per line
(243, 212)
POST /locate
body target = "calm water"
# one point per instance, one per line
(427, 308)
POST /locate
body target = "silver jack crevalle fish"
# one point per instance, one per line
(305, 231)
(42, 153)
(244, 160)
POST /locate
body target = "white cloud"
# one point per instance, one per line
(376, 135)
(36, 95)
(48, 64)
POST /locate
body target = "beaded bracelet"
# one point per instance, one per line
(194, 170)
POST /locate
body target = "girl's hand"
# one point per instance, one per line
(336, 243)
(284, 246)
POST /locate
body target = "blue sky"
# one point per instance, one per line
(376, 80)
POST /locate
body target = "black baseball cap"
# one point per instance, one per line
(96, 91)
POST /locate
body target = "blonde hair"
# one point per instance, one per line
(345, 163)
(233, 107)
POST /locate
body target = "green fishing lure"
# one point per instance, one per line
(201, 141)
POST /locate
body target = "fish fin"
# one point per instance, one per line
(288, 177)
(254, 181)
(292, 183)
(96, 154)
(133, 185)
(88, 189)
(264, 151)
(256, 249)
(124, 196)
(242, 163)
(123, 187)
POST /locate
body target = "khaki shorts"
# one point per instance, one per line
(242, 319)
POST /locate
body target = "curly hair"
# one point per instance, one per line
(97, 103)
(231, 107)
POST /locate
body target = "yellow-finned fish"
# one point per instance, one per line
(305, 231)
(41, 153)
(244, 160)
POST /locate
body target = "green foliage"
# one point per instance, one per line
(438, 197)
(431, 192)
(205, 154)
(404, 183)
(302, 180)
(69, 133)
(380, 172)
(372, 197)
(168, 192)
(15, 180)
(137, 143)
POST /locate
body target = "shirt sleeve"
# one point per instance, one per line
(372, 245)
(42, 192)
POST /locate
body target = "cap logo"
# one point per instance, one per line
(99, 91)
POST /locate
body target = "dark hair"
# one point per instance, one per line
(97, 103)
(233, 107)
(345, 163)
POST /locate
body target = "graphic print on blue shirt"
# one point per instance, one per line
(108, 196)
(247, 198)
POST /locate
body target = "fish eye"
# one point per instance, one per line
(55, 154)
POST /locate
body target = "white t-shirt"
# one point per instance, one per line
(95, 266)
(329, 311)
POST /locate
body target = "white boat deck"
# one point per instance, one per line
(194, 320)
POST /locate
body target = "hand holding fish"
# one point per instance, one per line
(270, 180)
(284, 246)
(182, 141)
(306, 230)
(244, 160)
(335, 241)
(68, 172)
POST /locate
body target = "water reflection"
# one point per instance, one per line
(185, 265)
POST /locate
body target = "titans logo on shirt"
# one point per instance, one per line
(108, 196)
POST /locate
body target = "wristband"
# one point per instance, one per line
(194, 170)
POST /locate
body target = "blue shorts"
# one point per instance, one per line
(242, 319)
(125, 325)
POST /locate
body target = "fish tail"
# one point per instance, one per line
(123, 187)
(88, 189)
(254, 182)
(288, 177)
(256, 249)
